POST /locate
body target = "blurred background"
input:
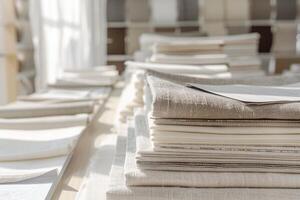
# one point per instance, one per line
(40, 38)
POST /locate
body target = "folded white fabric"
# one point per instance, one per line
(68, 82)
(131, 97)
(190, 59)
(52, 122)
(178, 69)
(28, 110)
(35, 144)
(251, 94)
(63, 96)
(161, 129)
(17, 171)
(119, 191)
(147, 40)
(138, 177)
(97, 69)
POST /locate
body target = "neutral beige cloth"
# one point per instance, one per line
(178, 69)
(24, 110)
(37, 123)
(16, 171)
(35, 144)
(138, 177)
(204, 59)
(192, 152)
(185, 47)
(227, 123)
(275, 80)
(118, 189)
(68, 96)
(171, 100)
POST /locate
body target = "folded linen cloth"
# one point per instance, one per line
(204, 59)
(61, 95)
(161, 129)
(227, 123)
(250, 94)
(24, 110)
(108, 76)
(119, 190)
(34, 144)
(251, 80)
(138, 177)
(207, 153)
(97, 69)
(15, 171)
(171, 100)
(147, 40)
(38, 123)
(67, 82)
(178, 69)
(188, 47)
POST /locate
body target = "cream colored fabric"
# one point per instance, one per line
(171, 100)
(28, 110)
(178, 69)
(35, 144)
(118, 189)
(228, 123)
(16, 171)
(138, 177)
(62, 95)
(190, 59)
(38, 123)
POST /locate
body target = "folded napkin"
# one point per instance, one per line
(68, 82)
(16, 171)
(34, 144)
(171, 100)
(204, 46)
(62, 95)
(178, 69)
(119, 190)
(204, 59)
(138, 177)
(52, 122)
(97, 69)
(24, 110)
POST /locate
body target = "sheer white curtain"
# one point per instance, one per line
(67, 34)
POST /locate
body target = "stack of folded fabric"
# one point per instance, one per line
(132, 96)
(95, 77)
(235, 139)
(237, 51)
(39, 132)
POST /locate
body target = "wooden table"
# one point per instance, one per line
(92, 151)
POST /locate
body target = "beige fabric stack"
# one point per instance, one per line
(239, 52)
(196, 140)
